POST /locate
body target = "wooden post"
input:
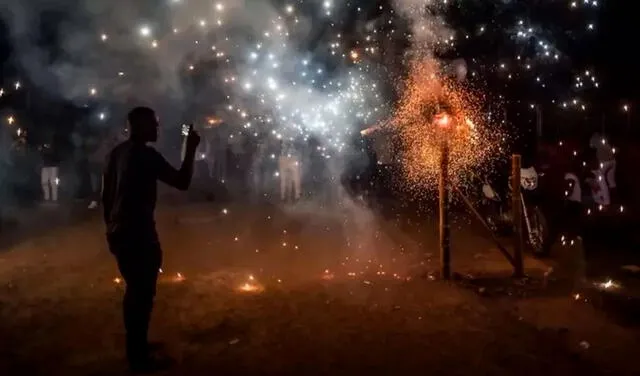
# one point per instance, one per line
(516, 212)
(445, 230)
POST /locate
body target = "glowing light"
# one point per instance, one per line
(145, 31)
(251, 286)
(442, 120)
(608, 285)
(327, 275)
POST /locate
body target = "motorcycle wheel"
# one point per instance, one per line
(539, 238)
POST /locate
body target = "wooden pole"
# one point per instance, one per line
(516, 208)
(445, 230)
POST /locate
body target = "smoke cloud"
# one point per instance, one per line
(261, 65)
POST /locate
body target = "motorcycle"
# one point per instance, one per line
(499, 214)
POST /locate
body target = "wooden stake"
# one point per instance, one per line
(516, 211)
(445, 230)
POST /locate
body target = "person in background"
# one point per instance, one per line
(259, 173)
(49, 178)
(290, 172)
(220, 144)
(129, 201)
(317, 170)
(606, 169)
(96, 165)
(576, 186)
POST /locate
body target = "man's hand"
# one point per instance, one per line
(193, 139)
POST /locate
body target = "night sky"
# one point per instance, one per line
(608, 51)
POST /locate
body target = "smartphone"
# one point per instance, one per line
(186, 128)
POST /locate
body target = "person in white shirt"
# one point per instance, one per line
(606, 158)
(49, 174)
(289, 165)
(606, 173)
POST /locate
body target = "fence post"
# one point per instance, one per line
(445, 230)
(516, 212)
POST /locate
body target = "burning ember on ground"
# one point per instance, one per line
(327, 275)
(608, 285)
(251, 286)
(435, 109)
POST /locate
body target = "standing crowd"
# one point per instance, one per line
(255, 167)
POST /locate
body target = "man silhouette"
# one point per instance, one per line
(129, 199)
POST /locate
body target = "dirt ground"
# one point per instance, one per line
(262, 290)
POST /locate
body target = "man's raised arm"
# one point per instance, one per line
(180, 179)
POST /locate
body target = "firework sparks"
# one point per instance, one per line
(435, 109)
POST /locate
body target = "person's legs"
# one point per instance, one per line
(284, 179)
(54, 182)
(45, 178)
(94, 176)
(610, 173)
(297, 180)
(222, 165)
(601, 196)
(210, 167)
(139, 267)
